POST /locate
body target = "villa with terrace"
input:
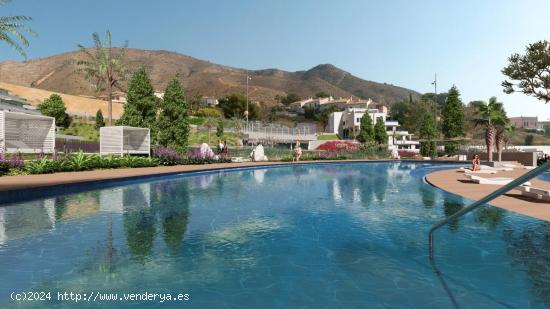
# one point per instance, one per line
(346, 122)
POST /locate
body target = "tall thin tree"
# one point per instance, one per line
(12, 29)
(104, 66)
(502, 127)
(488, 114)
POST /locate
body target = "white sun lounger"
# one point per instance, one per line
(466, 170)
(486, 170)
(536, 193)
(499, 181)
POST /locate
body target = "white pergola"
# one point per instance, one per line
(26, 133)
(123, 140)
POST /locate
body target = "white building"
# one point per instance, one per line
(341, 103)
(209, 101)
(346, 125)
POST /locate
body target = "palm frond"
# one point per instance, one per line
(100, 67)
(11, 31)
(16, 18)
(15, 45)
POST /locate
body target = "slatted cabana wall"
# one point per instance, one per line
(26, 133)
(121, 140)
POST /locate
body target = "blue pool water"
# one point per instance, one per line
(303, 236)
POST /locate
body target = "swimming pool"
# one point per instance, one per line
(318, 236)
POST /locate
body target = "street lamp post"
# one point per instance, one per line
(246, 112)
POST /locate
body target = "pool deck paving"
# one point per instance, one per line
(456, 182)
(8, 183)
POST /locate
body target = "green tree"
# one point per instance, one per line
(55, 107)
(12, 29)
(380, 134)
(141, 107)
(209, 124)
(99, 121)
(194, 104)
(400, 110)
(488, 115)
(172, 123)
(366, 131)
(219, 129)
(453, 119)
(502, 128)
(322, 94)
(529, 140)
(209, 112)
(104, 67)
(439, 98)
(290, 98)
(234, 105)
(530, 73)
(311, 112)
(428, 132)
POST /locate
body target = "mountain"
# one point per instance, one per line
(58, 73)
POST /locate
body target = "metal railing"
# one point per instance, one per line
(516, 182)
(284, 134)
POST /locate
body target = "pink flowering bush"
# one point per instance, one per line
(339, 146)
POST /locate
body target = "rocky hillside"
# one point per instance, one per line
(58, 73)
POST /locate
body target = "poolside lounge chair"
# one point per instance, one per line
(536, 193)
(499, 181)
(487, 170)
(466, 170)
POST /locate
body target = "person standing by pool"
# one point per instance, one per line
(225, 149)
(297, 153)
(476, 163)
(220, 146)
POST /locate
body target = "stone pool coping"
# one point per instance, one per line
(455, 182)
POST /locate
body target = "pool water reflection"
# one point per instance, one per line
(338, 235)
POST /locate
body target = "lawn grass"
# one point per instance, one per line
(85, 130)
(326, 137)
(200, 137)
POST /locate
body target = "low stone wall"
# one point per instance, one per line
(525, 158)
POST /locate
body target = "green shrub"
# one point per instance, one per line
(132, 162)
(17, 172)
(195, 120)
(47, 166)
(81, 162)
(109, 161)
(209, 112)
(4, 168)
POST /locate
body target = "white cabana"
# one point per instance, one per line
(26, 133)
(123, 140)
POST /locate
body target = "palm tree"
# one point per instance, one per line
(209, 124)
(238, 125)
(502, 125)
(509, 134)
(487, 115)
(11, 28)
(103, 67)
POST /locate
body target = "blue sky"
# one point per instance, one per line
(399, 42)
